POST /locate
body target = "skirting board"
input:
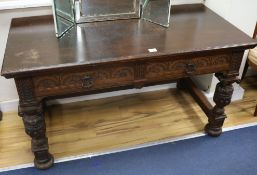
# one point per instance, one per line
(12, 105)
(14, 4)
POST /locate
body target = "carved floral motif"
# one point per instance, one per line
(181, 65)
(88, 79)
(136, 75)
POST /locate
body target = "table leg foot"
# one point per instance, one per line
(214, 132)
(45, 163)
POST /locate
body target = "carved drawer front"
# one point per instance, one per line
(178, 68)
(84, 80)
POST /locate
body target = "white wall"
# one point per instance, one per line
(8, 93)
(11, 4)
(243, 15)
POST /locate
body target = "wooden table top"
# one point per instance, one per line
(33, 47)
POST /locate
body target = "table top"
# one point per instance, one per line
(33, 47)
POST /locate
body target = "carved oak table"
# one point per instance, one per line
(113, 55)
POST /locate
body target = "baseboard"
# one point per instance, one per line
(9, 106)
(12, 105)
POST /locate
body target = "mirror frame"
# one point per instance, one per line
(79, 18)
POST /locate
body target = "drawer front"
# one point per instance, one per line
(178, 68)
(135, 73)
(82, 81)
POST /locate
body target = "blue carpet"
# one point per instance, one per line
(234, 153)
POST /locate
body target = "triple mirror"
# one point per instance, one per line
(70, 12)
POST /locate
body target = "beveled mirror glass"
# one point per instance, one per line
(156, 11)
(64, 16)
(69, 12)
(101, 10)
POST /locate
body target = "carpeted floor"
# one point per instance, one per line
(234, 153)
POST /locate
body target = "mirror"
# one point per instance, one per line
(69, 12)
(156, 11)
(63, 16)
(102, 10)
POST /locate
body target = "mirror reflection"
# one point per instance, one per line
(157, 11)
(64, 16)
(100, 7)
(69, 12)
(101, 10)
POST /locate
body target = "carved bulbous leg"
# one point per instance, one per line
(222, 97)
(34, 122)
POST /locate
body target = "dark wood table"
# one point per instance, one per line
(113, 55)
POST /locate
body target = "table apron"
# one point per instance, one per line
(135, 74)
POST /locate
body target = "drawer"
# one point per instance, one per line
(184, 67)
(82, 81)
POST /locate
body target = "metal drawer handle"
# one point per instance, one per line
(87, 82)
(190, 69)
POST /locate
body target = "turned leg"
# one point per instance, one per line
(222, 97)
(31, 111)
(35, 127)
(1, 115)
